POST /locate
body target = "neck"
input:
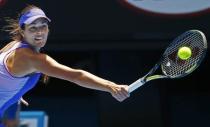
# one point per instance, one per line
(37, 49)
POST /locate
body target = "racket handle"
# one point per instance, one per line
(135, 85)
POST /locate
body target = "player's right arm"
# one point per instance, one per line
(47, 65)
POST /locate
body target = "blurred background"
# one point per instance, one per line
(119, 43)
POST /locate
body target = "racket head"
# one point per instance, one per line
(174, 67)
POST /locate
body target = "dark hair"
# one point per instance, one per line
(15, 31)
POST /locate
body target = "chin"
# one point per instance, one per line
(40, 44)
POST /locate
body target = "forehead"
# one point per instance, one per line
(39, 21)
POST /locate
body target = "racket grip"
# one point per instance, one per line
(135, 85)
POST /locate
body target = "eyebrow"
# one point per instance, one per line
(34, 24)
(41, 20)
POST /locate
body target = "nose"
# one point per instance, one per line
(40, 31)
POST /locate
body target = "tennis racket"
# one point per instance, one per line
(170, 65)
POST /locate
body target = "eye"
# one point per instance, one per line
(43, 27)
(33, 29)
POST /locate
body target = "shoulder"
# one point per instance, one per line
(29, 54)
(30, 59)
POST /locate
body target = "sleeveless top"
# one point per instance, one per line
(13, 88)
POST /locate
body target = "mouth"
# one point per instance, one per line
(39, 41)
(38, 38)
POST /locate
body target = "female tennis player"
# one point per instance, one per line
(21, 62)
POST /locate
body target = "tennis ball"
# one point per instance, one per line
(184, 53)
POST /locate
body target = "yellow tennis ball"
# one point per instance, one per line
(184, 53)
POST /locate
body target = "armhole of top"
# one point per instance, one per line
(6, 57)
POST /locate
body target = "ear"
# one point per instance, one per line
(22, 32)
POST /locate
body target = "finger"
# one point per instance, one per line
(117, 97)
(120, 99)
(121, 96)
(125, 92)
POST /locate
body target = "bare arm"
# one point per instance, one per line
(47, 65)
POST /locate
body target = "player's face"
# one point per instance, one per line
(36, 33)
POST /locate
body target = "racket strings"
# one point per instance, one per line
(172, 65)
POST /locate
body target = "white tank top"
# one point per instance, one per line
(12, 88)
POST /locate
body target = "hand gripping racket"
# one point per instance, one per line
(171, 65)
